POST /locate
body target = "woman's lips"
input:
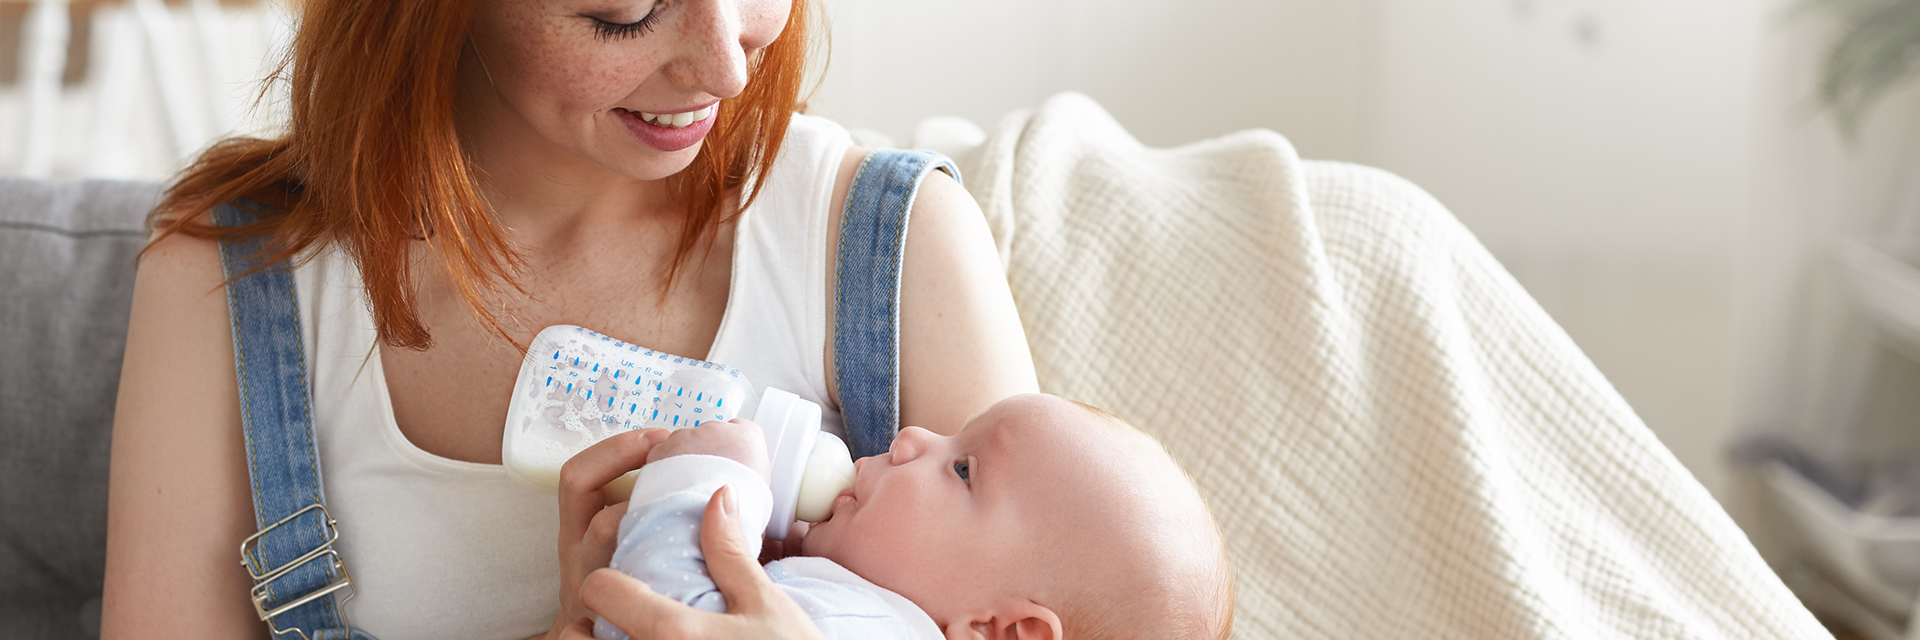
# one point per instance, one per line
(666, 138)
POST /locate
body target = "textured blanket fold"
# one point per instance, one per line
(1396, 439)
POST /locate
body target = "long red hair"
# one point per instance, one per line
(372, 161)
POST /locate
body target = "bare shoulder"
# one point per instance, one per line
(961, 343)
(843, 182)
(178, 504)
(962, 346)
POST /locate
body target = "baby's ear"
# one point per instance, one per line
(1023, 620)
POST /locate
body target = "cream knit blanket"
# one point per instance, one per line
(1397, 440)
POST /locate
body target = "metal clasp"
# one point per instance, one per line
(262, 579)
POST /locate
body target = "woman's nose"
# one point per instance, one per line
(719, 37)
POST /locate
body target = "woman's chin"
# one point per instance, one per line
(637, 162)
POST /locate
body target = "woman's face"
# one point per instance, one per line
(629, 85)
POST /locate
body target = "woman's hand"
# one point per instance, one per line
(756, 609)
(589, 527)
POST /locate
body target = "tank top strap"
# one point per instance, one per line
(296, 571)
(866, 331)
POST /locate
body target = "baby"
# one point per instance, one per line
(1043, 518)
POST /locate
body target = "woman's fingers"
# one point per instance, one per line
(738, 575)
(586, 472)
(633, 607)
(596, 549)
(588, 526)
(756, 608)
(581, 629)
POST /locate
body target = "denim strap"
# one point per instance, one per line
(866, 320)
(292, 556)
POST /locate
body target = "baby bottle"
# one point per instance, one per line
(577, 387)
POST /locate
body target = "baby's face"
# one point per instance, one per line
(948, 521)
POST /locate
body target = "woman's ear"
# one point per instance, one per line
(1022, 620)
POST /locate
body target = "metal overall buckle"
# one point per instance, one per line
(262, 579)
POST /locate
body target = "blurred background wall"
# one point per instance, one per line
(1657, 173)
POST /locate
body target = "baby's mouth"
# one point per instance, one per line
(846, 499)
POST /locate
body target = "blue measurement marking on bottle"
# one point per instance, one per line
(576, 362)
(699, 396)
(696, 423)
(589, 394)
(569, 387)
(596, 367)
(719, 401)
(616, 374)
(556, 355)
(630, 408)
(656, 415)
(676, 421)
(549, 381)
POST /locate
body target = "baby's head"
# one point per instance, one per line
(1042, 518)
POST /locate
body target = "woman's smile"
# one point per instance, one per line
(669, 131)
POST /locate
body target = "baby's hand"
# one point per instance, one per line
(738, 439)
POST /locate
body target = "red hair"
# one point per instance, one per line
(372, 160)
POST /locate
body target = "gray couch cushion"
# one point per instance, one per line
(66, 284)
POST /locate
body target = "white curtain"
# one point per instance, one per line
(160, 82)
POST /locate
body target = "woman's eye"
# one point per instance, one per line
(964, 469)
(608, 30)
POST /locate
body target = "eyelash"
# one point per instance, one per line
(964, 469)
(608, 31)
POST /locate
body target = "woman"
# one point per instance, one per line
(458, 175)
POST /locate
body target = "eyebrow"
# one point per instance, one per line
(995, 445)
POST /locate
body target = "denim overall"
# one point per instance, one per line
(300, 580)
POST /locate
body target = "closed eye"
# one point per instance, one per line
(608, 30)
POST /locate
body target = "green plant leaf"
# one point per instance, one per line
(1877, 46)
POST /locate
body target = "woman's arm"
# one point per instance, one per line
(178, 501)
(961, 344)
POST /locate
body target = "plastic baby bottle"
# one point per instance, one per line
(577, 387)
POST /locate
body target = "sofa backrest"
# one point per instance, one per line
(67, 254)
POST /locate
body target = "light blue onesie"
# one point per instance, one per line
(660, 545)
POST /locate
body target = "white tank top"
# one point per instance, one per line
(441, 548)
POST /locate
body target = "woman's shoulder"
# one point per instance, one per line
(812, 127)
(178, 492)
(812, 149)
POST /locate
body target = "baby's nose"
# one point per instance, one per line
(908, 444)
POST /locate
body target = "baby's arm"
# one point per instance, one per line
(660, 535)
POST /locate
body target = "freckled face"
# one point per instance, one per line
(566, 82)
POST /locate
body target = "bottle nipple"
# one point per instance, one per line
(809, 468)
(829, 472)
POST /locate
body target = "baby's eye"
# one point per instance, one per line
(964, 469)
